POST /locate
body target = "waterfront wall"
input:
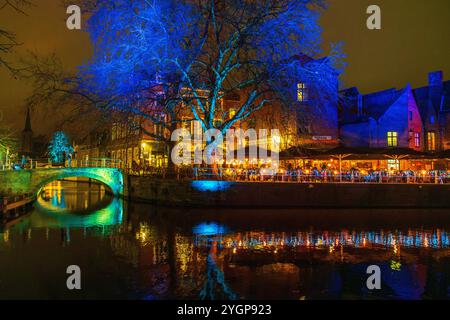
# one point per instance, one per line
(247, 194)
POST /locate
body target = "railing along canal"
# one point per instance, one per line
(247, 175)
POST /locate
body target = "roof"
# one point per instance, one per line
(376, 104)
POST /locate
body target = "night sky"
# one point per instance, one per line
(413, 41)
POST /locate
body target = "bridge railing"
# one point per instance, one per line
(94, 163)
(284, 176)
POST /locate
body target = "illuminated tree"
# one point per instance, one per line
(59, 147)
(167, 55)
(8, 146)
(172, 61)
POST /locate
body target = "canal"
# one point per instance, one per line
(137, 251)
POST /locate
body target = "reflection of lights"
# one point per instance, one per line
(396, 265)
(395, 247)
(143, 234)
(209, 229)
(209, 185)
(6, 236)
(51, 217)
(394, 241)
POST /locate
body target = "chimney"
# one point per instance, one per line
(435, 79)
(435, 87)
(360, 105)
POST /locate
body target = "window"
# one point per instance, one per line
(392, 139)
(232, 113)
(158, 130)
(114, 132)
(416, 139)
(431, 119)
(431, 141)
(410, 116)
(393, 164)
(302, 94)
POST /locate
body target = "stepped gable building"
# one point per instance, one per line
(407, 118)
(434, 105)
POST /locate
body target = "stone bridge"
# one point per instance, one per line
(32, 181)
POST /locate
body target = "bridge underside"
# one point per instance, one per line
(32, 181)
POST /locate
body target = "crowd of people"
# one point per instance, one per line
(316, 175)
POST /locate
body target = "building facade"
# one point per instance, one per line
(416, 119)
(408, 118)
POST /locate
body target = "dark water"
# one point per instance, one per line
(135, 251)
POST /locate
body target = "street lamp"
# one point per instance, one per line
(8, 163)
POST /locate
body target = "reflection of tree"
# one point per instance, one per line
(215, 281)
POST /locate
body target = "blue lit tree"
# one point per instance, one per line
(59, 147)
(177, 57)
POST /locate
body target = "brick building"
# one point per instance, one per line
(417, 119)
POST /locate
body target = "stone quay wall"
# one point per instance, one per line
(252, 194)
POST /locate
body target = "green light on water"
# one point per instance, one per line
(47, 217)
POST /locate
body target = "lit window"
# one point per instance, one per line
(417, 139)
(392, 139)
(432, 120)
(393, 164)
(431, 141)
(302, 94)
(114, 132)
(232, 113)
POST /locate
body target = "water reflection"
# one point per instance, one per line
(325, 239)
(136, 251)
(70, 207)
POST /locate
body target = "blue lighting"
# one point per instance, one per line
(209, 185)
(209, 229)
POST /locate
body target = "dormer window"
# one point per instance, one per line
(302, 92)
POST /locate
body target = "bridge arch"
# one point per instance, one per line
(32, 181)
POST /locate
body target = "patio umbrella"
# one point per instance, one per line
(344, 152)
(400, 153)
